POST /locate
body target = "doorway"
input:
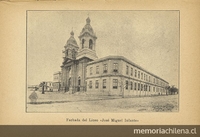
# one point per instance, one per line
(79, 84)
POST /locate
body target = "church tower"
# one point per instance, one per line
(69, 65)
(71, 49)
(87, 42)
(76, 59)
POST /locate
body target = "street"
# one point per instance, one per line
(82, 103)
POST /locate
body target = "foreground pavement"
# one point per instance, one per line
(83, 103)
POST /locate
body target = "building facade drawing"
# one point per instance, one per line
(76, 59)
(116, 75)
(81, 70)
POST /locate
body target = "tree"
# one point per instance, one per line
(42, 84)
(167, 88)
(174, 90)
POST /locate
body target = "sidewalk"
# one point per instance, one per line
(61, 97)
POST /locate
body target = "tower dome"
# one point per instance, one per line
(87, 42)
(72, 40)
(87, 28)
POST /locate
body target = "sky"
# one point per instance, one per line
(147, 38)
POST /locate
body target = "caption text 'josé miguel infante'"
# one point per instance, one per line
(101, 120)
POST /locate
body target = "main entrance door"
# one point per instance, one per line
(69, 84)
(79, 84)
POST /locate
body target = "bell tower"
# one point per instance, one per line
(75, 59)
(71, 49)
(87, 39)
(69, 65)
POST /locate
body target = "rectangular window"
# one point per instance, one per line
(97, 84)
(90, 84)
(126, 84)
(149, 88)
(90, 70)
(97, 69)
(131, 71)
(115, 83)
(149, 79)
(154, 89)
(105, 68)
(141, 87)
(131, 85)
(135, 73)
(138, 74)
(135, 87)
(141, 75)
(138, 86)
(115, 67)
(126, 70)
(144, 76)
(153, 80)
(104, 83)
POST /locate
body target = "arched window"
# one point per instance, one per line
(69, 82)
(66, 52)
(83, 41)
(90, 44)
(73, 53)
(79, 81)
